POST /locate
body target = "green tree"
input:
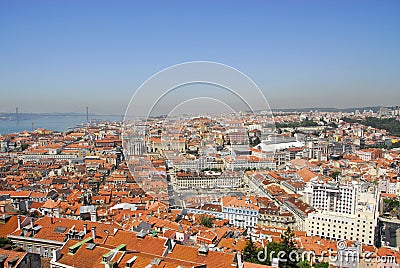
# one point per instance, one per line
(206, 221)
(264, 256)
(288, 246)
(392, 125)
(390, 205)
(322, 265)
(395, 145)
(4, 241)
(335, 174)
(303, 264)
(273, 249)
(255, 141)
(288, 239)
(24, 146)
(250, 252)
(332, 124)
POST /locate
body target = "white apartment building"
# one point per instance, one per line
(389, 185)
(243, 162)
(344, 211)
(369, 154)
(37, 157)
(181, 163)
(208, 180)
(332, 196)
(240, 211)
(136, 146)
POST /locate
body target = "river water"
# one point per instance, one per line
(57, 123)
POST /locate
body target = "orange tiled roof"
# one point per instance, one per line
(10, 226)
(306, 174)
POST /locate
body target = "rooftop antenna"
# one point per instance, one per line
(32, 126)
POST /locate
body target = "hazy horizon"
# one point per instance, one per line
(83, 112)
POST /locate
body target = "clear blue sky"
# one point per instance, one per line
(66, 55)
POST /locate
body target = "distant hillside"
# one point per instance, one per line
(391, 125)
(328, 109)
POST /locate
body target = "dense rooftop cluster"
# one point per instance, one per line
(195, 193)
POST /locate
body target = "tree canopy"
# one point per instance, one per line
(392, 125)
(206, 221)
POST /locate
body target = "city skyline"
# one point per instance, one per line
(199, 134)
(62, 57)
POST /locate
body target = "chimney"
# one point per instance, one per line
(56, 254)
(93, 216)
(170, 244)
(85, 228)
(203, 250)
(19, 222)
(3, 258)
(32, 223)
(130, 262)
(94, 233)
(111, 264)
(57, 212)
(238, 260)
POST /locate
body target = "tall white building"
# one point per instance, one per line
(332, 196)
(344, 211)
